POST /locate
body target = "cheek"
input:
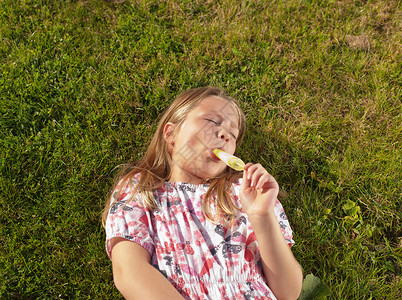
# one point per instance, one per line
(233, 146)
(188, 141)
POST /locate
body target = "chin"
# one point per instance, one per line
(215, 174)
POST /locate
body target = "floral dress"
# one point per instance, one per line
(202, 260)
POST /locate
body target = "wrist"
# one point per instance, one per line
(262, 217)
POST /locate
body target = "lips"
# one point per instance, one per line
(214, 157)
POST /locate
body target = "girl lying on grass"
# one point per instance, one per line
(181, 224)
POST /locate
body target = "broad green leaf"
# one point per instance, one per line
(313, 288)
(348, 205)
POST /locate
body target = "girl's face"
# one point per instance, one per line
(212, 124)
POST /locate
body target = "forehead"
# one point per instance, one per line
(218, 106)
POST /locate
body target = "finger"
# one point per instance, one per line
(264, 179)
(268, 182)
(257, 176)
(248, 165)
(246, 172)
(251, 169)
(254, 172)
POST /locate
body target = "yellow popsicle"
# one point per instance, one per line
(230, 160)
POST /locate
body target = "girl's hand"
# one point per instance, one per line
(259, 191)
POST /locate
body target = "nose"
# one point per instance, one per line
(224, 135)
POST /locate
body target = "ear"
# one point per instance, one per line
(168, 133)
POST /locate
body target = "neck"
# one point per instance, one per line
(183, 176)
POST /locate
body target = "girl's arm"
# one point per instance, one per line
(135, 277)
(282, 272)
(258, 195)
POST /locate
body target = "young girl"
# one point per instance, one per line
(181, 224)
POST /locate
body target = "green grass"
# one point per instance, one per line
(82, 83)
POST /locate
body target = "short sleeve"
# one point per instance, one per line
(284, 223)
(129, 220)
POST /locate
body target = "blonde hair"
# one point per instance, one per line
(155, 166)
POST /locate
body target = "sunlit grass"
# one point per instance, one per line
(82, 83)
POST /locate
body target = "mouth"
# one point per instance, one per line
(214, 157)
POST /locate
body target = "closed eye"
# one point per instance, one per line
(219, 123)
(213, 121)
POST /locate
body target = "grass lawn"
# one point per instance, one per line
(82, 84)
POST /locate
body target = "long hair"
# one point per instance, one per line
(155, 166)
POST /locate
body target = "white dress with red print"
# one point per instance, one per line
(202, 260)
